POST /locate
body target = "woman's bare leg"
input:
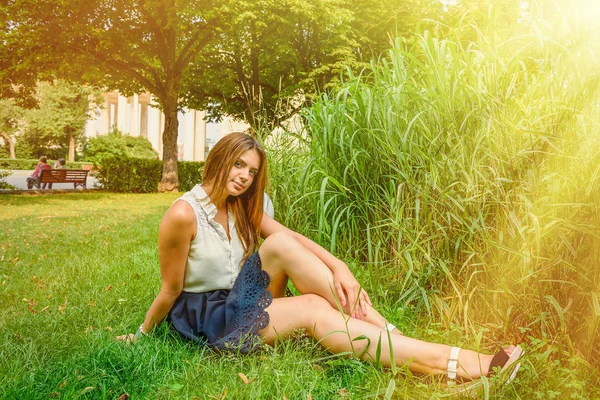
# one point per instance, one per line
(314, 314)
(283, 256)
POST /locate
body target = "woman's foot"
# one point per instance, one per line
(508, 351)
(468, 365)
(507, 360)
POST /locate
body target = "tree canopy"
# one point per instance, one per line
(125, 45)
(11, 116)
(254, 60)
(60, 118)
(269, 53)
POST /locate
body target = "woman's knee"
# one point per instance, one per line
(316, 312)
(277, 245)
(315, 302)
(309, 308)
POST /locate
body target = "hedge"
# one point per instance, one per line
(30, 163)
(189, 173)
(142, 175)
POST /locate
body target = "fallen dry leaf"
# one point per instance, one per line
(244, 379)
(124, 396)
(221, 396)
(92, 304)
(31, 305)
(87, 389)
(309, 397)
(109, 287)
(62, 384)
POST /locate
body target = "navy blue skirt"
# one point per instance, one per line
(226, 319)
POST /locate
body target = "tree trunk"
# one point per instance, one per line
(170, 180)
(71, 156)
(11, 144)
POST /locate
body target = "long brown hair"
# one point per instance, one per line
(248, 207)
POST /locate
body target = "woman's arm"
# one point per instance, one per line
(177, 230)
(346, 286)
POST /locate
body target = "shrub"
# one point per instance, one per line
(3, 183)
(116, 144)
(27, 164)
(131, 175)
(8, 163)
(142, 175)
(189, 173)
(139, 147)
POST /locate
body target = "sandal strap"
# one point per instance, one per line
(499, 360)
(453, 364)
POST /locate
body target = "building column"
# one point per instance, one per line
(134, 126)
(121, 114)
(144, 120)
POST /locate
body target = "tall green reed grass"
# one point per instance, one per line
(464, 175)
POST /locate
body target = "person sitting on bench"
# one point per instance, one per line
(34, 179)
(59, 164)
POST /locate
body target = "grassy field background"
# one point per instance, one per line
(78, 269)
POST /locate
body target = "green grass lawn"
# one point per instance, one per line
(78, 269)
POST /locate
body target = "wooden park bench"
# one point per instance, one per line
(77, 177)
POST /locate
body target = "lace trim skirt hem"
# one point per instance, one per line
(227, 320)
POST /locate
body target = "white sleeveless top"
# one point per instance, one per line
(213, 261)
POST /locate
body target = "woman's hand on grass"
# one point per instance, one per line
(129, 338)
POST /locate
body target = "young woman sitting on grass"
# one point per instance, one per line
(213, 230)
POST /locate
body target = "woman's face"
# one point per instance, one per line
(243, 172)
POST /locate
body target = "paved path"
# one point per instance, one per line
(18, 178)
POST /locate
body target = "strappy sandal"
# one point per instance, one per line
(500, 359)
(390, 327)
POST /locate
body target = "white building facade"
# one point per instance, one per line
(136, 116)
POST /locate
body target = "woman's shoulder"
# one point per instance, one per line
(179, 222)
(181, 211)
